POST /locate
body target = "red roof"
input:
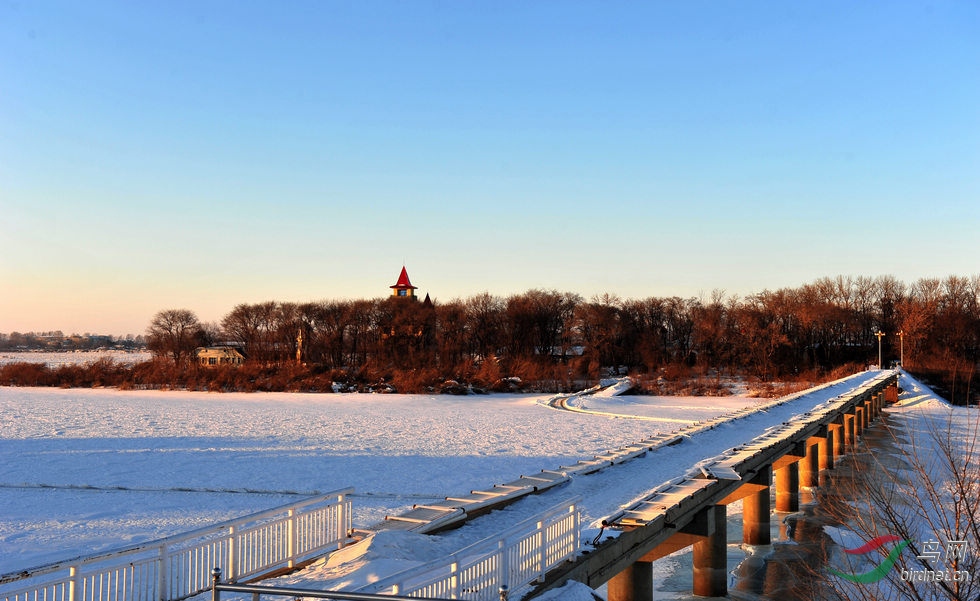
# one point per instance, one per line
(403, 281)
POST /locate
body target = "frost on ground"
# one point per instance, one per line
(89, 470)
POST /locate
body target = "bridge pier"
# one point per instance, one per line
(711, 555)
(810, 465)
(849, 421)
(826, 451)
(837, 432)
(707, 535)
(756, 510)
(858, 422)
(788, 488)
(635, 583)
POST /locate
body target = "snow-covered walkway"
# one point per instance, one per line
(602, 494)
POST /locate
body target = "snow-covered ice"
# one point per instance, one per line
(87, 470)
(56, 359)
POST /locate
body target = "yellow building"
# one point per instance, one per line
(219, 355)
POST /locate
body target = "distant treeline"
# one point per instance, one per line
(56, 340)
(559, 340)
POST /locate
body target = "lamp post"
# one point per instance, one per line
(901, 348)
(880, 335)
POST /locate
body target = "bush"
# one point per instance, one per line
(26, 374)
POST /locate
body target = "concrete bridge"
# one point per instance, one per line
(691, 510)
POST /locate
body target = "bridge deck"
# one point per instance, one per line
(634, 471)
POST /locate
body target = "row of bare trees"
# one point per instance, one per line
(542, 334)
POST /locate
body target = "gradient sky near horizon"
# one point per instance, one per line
(205, 154)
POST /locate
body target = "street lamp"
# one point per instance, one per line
(880, 335)
(901, 348)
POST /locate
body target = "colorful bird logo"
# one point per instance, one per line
(873, 545)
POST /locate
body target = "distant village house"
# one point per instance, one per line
(212, 356)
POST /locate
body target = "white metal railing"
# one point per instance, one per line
(180, 566)
(517, 557)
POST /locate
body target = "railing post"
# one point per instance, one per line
(343, 517)
(503, 563)
(162, 593)
(576, 532)
(230, 576)
(215, 581)
(73, 583)
(291, 538)
(454, 579)
(543, 555)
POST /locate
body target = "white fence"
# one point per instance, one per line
(515, 558)
(180, 566)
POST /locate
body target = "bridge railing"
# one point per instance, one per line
(517, 557)
(180, 566)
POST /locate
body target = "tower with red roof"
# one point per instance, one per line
(403, 287)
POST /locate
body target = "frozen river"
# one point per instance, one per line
(87, 470)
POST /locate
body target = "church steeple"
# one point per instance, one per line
(403, 287)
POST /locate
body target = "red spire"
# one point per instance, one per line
(403, 282)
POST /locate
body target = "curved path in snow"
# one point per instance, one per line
(565, 402)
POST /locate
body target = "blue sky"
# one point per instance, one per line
(204, 154)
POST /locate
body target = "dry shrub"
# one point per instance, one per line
(414, 381)
(26, 374)
(676, 371)
(842, 371)
(488, 372)
(529, 370)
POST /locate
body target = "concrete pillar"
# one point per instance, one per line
(867, 415)
(810, 467)
(858, 422)
(825, 448)
(756, 511)
(635, 583)
(849, 430)
(788, 488)
(711, 557)
(837, 431)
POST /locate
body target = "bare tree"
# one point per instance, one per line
(175, 333)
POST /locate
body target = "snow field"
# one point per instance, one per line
(53, 359)
(89, 470)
